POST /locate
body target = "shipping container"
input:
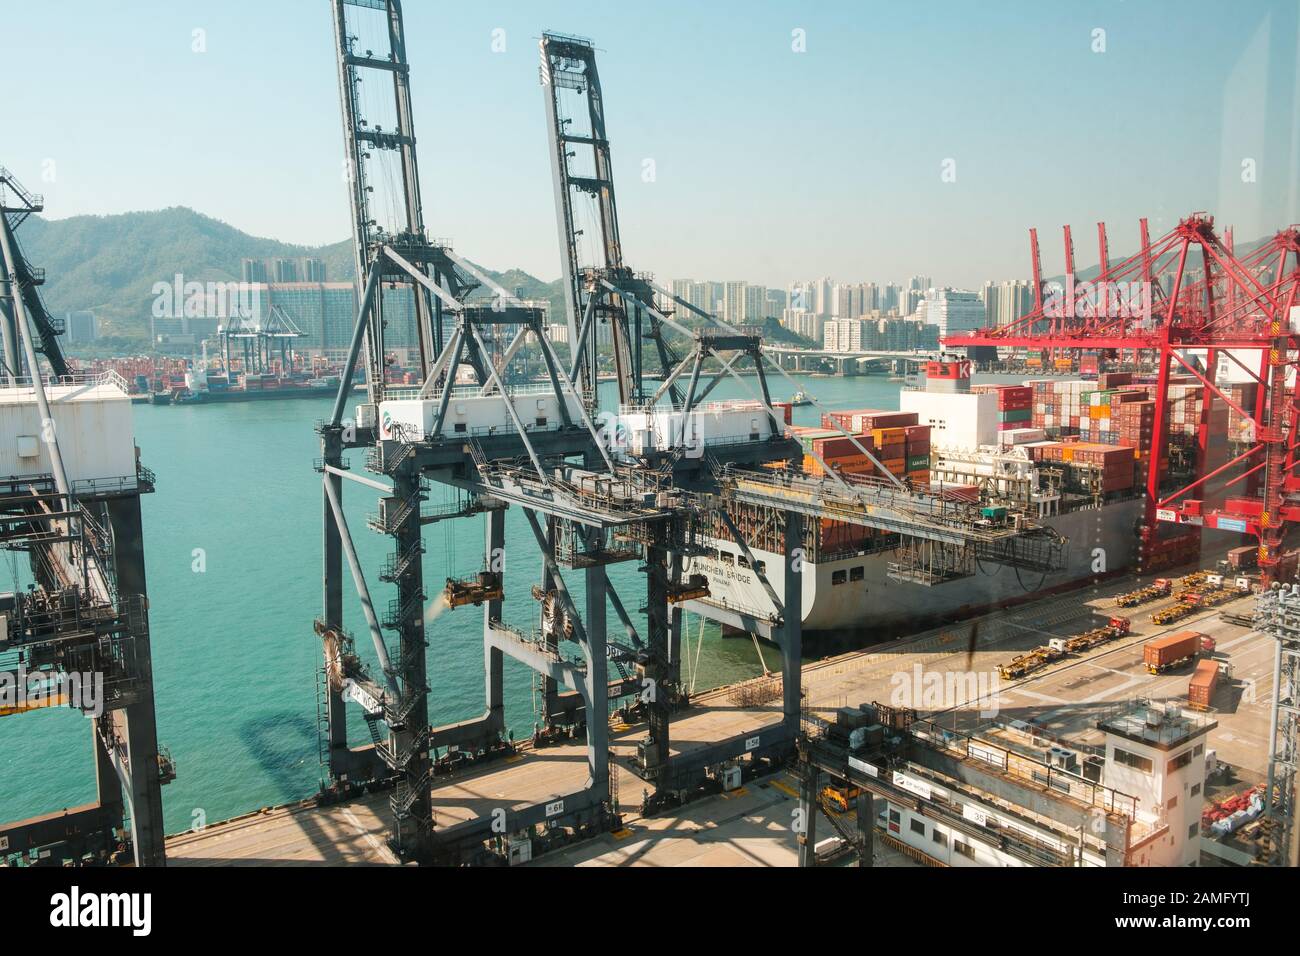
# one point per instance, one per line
(1204, 682)
(1164, 652)
(1243, 558)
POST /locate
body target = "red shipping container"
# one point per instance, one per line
(831, 448)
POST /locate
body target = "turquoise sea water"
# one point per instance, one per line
(232, 539)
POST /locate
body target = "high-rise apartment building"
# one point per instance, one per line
(951, 310)
(808, 324)
(733, 301)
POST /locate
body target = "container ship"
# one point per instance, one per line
(200, 387)
(1075, 455)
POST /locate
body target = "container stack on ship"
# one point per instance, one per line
(986, 443)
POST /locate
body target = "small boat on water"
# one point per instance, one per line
(800, 399)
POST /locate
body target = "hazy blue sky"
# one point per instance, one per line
(771, 165)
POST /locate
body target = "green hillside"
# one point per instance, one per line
(109, 264)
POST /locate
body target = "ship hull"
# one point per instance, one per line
(852, 599)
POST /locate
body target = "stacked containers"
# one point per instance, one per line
(894, 438)
(1107, 413)
(840, 452)
(1015, 406)
(1185, 406)
(1134, 423)
(859, 420)
(1115, 463)
(917, 448)
(1058, 405)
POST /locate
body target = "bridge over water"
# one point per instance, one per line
(846, 363)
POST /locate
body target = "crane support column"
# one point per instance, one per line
(656, 670)
(135, 727)
(409, 726)
(493, 658)
(808, 814)
(866, 829)
(792, 624)
(597, 677)
(335, 713)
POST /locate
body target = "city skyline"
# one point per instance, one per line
(879, 149)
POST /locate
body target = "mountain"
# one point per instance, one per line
(109, 264)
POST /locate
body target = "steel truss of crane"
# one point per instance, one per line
(585, 506)
(583, 510)
(1237, 303)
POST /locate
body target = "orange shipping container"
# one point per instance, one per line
(1200, 689)
(1161, 652)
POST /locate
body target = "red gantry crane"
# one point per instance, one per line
(1189, 291)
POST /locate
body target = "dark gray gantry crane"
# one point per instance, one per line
(83, 620)
(606, 292)
(497, 447)
(404, 757)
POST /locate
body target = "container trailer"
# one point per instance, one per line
(1162, 653)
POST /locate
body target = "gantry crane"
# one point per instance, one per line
(19, 204)
(605, 290)
(83, 620)
(1236, 304)
(497, 446)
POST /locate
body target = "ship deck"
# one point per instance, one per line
(753, 828)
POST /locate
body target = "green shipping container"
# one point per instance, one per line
(1016, 415)
(919, 463)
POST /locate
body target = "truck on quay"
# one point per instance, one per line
(1162, 653)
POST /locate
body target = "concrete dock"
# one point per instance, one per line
(753, 827)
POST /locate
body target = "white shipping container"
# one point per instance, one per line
(1020, 436)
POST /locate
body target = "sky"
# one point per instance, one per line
(901, 139)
